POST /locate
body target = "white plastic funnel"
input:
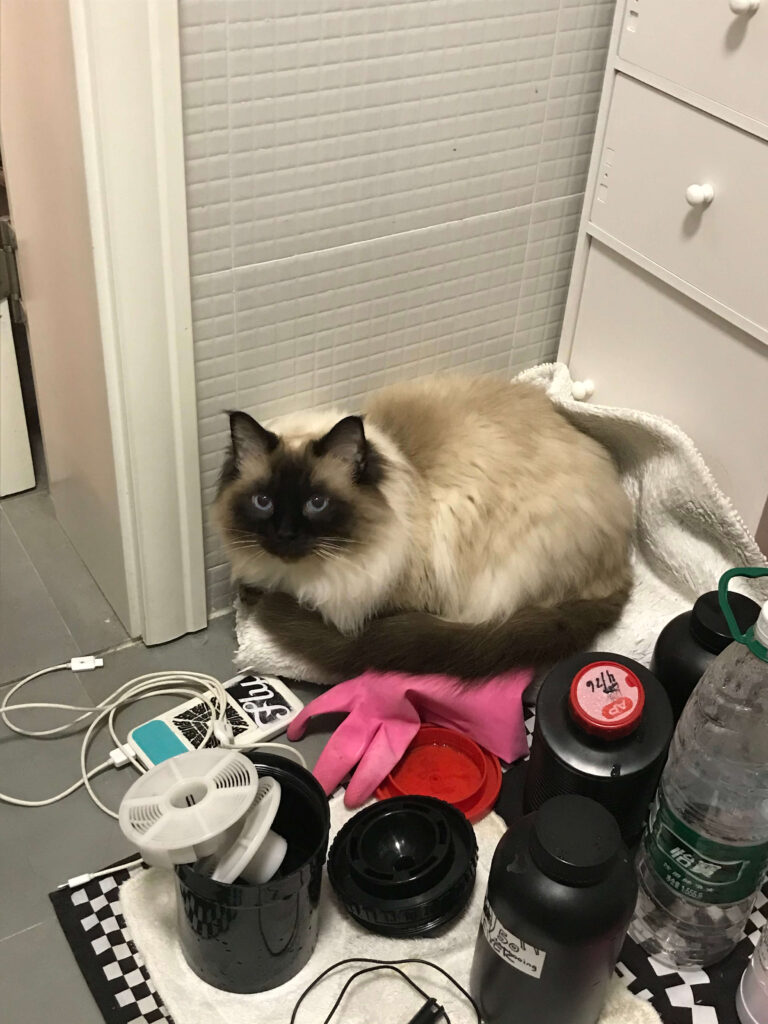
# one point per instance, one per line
(258, 852)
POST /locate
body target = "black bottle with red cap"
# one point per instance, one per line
(603, 726)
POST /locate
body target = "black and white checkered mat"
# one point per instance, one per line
(92, 920)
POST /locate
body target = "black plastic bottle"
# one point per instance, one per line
(689, 644)
(561, 892)
(603, 726)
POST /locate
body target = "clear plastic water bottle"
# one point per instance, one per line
(752, 994)
(704, 852)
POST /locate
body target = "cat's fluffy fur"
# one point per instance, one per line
(475, 529)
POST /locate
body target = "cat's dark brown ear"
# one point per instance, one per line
(346, 441)
(249, 438)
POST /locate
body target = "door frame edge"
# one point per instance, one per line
(155, 443)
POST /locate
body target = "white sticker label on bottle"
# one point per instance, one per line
(517, 953)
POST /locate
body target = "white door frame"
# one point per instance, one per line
(127, 65)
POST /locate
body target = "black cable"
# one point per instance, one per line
(372, 970)
(381, 964)
(430, 1013)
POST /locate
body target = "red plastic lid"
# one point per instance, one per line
(607, 699)
(447, 765)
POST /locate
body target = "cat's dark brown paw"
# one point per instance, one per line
(276, 610)
(249, 596)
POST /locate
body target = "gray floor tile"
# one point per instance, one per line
(211, 651)
(40, 981)
(67, 838)
(35, 843)
(33, 634)
(86, 612)
(23, 892)
(73, 837)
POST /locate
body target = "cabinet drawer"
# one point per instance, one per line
(648, 347)
(704, 46)
(655, 148)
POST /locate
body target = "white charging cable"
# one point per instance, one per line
(208, 689)
(78, 880)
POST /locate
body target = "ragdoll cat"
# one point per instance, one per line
(461, 525)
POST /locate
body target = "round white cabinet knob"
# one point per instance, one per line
(583, 389)
(744, 6)
(699, 195)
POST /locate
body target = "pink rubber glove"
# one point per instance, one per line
(386, 709)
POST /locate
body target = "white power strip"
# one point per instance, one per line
(258, 708)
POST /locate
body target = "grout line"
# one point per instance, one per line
(124, 645)
(545, 119)
(66, 669)
(394, 235)
(22, 931)
(220, 612)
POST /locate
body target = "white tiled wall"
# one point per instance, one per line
(377, 189)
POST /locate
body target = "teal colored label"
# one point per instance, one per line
(158, 741)
(701, 869)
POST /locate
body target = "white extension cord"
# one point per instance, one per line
(186, 684)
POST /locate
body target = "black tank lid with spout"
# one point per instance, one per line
(603, 726)
(690, 642)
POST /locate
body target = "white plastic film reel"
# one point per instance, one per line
(189, 807)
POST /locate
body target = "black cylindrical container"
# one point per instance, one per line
(689, 644)
(250, 938)
(561, 892)
(404, 866)
(603, 725)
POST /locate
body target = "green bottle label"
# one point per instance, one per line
(701, 869)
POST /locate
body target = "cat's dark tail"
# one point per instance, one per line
(417, 642)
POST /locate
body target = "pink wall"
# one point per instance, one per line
(42, 153)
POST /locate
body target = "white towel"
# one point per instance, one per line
(687, 533)
(149, 905)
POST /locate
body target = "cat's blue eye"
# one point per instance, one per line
(263, 504)
(316, 504)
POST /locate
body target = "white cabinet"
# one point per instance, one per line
(704, 46)
(647, 346)
(655, 149)
(668, 303)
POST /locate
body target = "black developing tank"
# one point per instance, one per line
(689, 644)
(603, 726)
(251, 938)
(561, 892)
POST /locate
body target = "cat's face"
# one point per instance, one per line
(297, 499)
